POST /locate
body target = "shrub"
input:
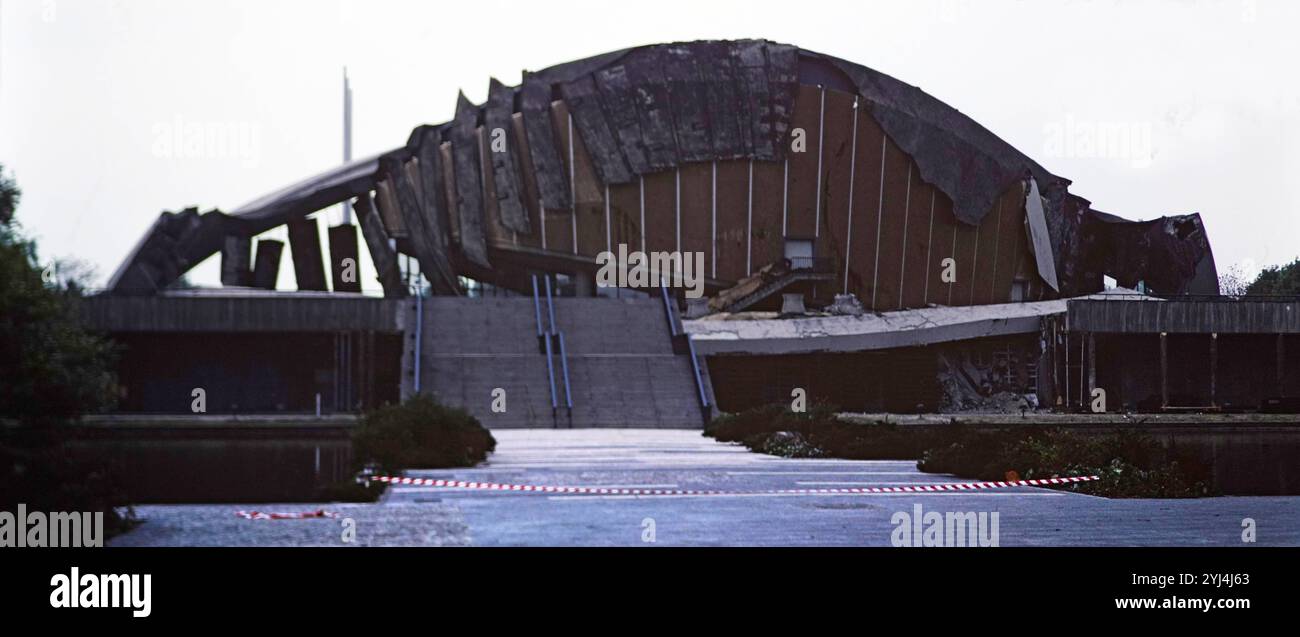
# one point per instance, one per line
(42, 475)
(351, 492)
(420, 434)
(740, 426)
(788, 444)
(819, 432)
(1129, 464)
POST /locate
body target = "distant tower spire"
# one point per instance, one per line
(347, 137)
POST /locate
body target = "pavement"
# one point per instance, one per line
(683, 459)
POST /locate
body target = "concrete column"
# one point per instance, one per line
(1214, 367)
(1281, 365)
(1092, 364)
(1067, 369)
(1164, 369)
(1083, 355)
(266, 269)
(236, 253)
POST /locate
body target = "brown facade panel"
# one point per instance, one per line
(943, 246)
(1009, 230)
(1010, 242)
(660, 211)
(982, 271)
(867, 199)
(625, 215)
(697, 211)
(916, 244)
(898, 189)
(837, 170)
(733, 218)
(765, 241)
(964, 270)
(801, 180)
(559, 231)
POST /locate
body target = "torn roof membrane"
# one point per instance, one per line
(1040, 240)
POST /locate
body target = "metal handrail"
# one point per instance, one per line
(537, 307)
(690, 345)
(550, 376)
(564, 366)
(668, 310)
(550, 304)
(699, 379)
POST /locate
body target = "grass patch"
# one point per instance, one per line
(1129, 464)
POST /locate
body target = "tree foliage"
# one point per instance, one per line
(51, 369)
(1277, 280)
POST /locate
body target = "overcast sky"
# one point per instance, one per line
(1150, 108)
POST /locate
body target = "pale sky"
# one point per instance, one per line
(1150, 108)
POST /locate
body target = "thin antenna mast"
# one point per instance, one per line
(347, 138)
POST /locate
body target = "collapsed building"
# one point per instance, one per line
(810, 184)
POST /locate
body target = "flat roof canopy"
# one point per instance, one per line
(1279, 315)
(241, 310)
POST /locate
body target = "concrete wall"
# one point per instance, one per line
(211, 459)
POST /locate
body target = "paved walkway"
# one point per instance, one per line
(669, 459)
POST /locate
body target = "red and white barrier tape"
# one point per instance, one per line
(920, 488)
(301, 515)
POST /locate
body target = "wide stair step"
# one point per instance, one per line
(622, 368)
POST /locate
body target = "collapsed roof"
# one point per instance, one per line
(654, 108)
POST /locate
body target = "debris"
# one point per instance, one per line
(846, 305)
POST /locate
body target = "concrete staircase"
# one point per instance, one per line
(623, 371)
(473, 346)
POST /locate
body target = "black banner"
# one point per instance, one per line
(306, 586)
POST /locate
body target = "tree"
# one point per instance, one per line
(51, 369)
(1232, 282)
(9, 196)
(1277, 280)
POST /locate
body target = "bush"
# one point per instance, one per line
(420, 434)
(351, 492)
(817, 432)
(1130, 465)
(41, 475)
